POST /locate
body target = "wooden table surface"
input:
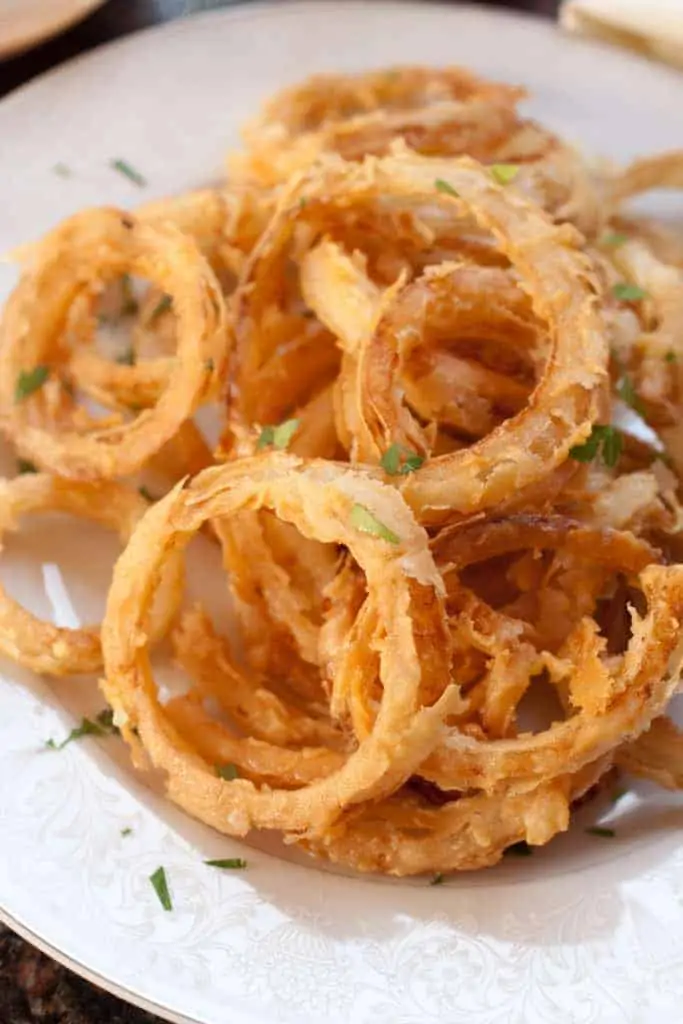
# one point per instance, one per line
(33, 988)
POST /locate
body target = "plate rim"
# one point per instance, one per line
(82, 970)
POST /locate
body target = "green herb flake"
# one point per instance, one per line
(160, 886)
(209, 365)
(364, 521)
(163, 306)
(612, 445)
(504, 173)
(103, 725)
(24, 466)
(626, 292)
(604, 441)
(127, 358)
(277, 436)
(303, 202)
(671, 357)
(627, 393)
(29, 381)
(229, 863)
(521, 849)
(613, 240)
(229, 772)
(61, 170)
(617, 794)
(126, 832)
(442, 186)
(147, 495)
(124, 168)
(438, 879)
(603, 833)
(399, 461)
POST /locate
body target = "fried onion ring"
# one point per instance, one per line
(318, 498)
(84, 251)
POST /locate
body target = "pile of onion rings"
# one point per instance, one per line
(446, 362)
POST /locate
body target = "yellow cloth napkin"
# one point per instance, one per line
(653, 27)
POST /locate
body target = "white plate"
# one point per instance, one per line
(25, 23)
(587, 930)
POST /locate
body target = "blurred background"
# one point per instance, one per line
(119, 17)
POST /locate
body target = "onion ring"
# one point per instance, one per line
(402, 574)
(109, 243)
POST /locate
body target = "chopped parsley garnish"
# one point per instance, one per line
(504, 173)
(521, 849)
(227, 772)
(277, 436)
(302, 202)
(627, 393)
(29, 381)
(103, 725)
(24, 466)
(671, 357)
(209, 365)
(603, 833)
(364, 521)
(126, 832)
(229, 863)
(147, 494)
(613, 239)
(438, 879)
(124, 168)
(617, 795)
(399, 461)
(160, 886)
(604, 441)
(442, 186)
(62, 171)
(127, 358)
(162, 306)
(626, 292)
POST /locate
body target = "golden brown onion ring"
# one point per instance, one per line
(635, 689)
(447, 111)
(80, 255)
(318, 498)
(401, 836)
(558, 278)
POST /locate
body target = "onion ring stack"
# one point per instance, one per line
(446, 363)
